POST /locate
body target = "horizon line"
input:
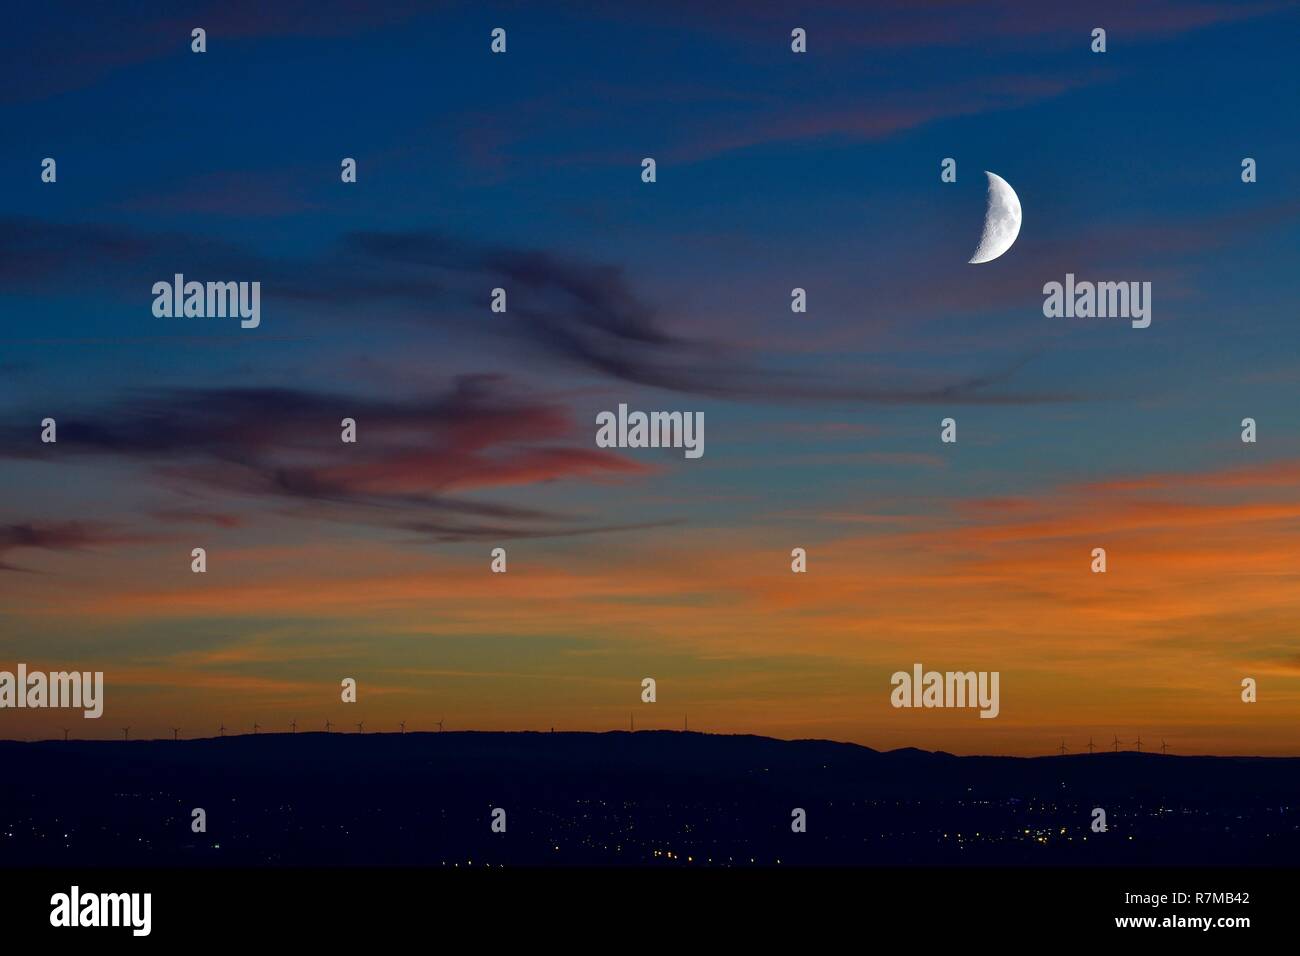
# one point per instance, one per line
(697, 733)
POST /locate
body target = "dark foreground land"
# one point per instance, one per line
(652, 798)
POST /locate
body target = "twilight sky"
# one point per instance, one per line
(775, 170)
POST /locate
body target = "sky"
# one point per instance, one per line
(476, 430)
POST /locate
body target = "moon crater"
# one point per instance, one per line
(1001, 221)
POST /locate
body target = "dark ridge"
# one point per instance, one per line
(619, 797)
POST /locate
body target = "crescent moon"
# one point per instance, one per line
(1001, 221)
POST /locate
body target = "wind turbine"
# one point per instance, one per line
(402, 724)
(125, 732)
(1117, 743)
(1063, 748)
(1089, 746)
(176, 733)
(361, 726)
(439, 726)
(65, 733)
(1139, 743)
(222, 730)
(256, 727)
(328, 725)
(1164, 747)
(293, 726)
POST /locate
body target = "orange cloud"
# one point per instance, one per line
(1200, 592)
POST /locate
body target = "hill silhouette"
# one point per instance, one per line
(650, 797)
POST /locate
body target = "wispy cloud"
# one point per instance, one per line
(284, 446)
(57, 536)
(580, 314)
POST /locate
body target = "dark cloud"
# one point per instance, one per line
(452, 532)
(55, 536)
(581, 314)
(190, 516)
(412, 461)
(578, 314)
(590, 315)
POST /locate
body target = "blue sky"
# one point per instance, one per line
(775, 170)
